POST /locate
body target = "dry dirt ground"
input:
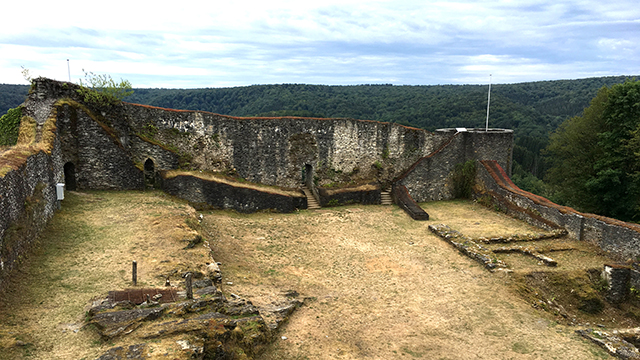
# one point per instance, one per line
(377, 284)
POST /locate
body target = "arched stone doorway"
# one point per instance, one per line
(307, 176)
(149, 174)
(70, 176)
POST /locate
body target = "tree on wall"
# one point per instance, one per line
(101, 89)
(595, 165)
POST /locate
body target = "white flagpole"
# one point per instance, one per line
(69, 70)
(488, 102)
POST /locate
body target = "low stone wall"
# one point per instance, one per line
(220, 195)
(618, 238)
(365, 195)
(401, 197)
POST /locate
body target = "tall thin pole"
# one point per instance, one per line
(488, 102)
(69, 69)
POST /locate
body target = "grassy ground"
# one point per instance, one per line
(381, 286)
(378, 284)
(87, 250)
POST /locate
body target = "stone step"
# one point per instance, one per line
(385, 198)
(312, 203)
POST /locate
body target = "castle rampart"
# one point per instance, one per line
(129, 146)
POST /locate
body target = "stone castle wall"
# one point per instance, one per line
(274, 151)
(618, 238)
(429, 179)
(28, 177)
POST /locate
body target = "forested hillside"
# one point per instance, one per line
(532, 109)
(11, 96)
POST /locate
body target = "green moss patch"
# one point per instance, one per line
(9, 127)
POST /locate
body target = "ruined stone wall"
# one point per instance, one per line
(429, 179)
(618, 238)
(27, 202)
(274, 151)
(28, 187)
(100, 159)
(108, 148)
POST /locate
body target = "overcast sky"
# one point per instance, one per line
(183, 44)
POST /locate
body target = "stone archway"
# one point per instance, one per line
(307, 176)
(149, 174)
(70, 176)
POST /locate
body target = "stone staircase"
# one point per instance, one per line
(312, 203)
(385, 197)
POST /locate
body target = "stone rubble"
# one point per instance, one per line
(208, 326)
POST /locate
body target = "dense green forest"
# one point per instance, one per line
(534, 109)
(11, 96)
(595, 157)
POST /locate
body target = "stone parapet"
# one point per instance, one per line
(618, 238)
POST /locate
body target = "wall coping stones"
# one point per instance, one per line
(475, 130)
(209, 176)
(469, 247)
(501, 178)
(271, 118)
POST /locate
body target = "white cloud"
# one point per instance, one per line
(330, 42)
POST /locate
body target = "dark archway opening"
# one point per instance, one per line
(70, 176)
(149, 173)
(307, 176)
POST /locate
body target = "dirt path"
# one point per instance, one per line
(381, 286)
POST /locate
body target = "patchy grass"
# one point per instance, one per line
(377, 284)
(380, 285)
(87, 250)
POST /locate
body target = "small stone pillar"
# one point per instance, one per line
(134, 273)
(617, 276)
(189, 286)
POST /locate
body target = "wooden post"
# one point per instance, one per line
(189, 286)
(134, 273)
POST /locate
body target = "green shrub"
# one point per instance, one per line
(463, 178)
(102, 90)
(385, 152)
(10, 126)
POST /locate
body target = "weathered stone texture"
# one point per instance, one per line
(621, 240)
(102, 164)
(27, 202)
(366, 195)
(274, 151)
(224, 196)
(430, 178)
(617, 277)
